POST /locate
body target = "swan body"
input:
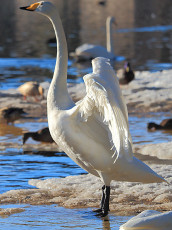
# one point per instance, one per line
(42, 135)
(31, 89)
(11, 114)
(149, 220)
(94, 132)
(87, 52)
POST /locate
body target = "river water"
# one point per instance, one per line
(143, 36)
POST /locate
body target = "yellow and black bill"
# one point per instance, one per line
(32, 7)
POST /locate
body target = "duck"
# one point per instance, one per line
(31, 89)
(125, 75)
(165, 124)
(94, 132)
(101, 2)
(87, 51)
(11, 114)
(42, 135)
(149, 220)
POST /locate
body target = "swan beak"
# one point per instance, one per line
(32, 7)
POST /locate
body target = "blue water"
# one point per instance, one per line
(17, 168)
(140, 134)
(16, 71)
(56, 218)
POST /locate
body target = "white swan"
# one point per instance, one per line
(87, 52)
(93, 132)
(149, 220)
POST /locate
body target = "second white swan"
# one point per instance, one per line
(87, 51)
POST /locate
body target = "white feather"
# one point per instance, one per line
(110, 111)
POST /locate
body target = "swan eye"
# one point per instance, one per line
(42, 3)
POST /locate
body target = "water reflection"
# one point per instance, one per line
(84, 22)
(142, 26)
(6, 130)
(106, 225)
(8, 28)
(36, 217)
(17, 169)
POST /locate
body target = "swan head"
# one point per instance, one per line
(41, 7)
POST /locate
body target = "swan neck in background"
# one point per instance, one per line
(58, 94)
(109, 37)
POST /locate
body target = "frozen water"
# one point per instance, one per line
(85, 191)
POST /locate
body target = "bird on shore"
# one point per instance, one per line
(165, 124)
(31, 89)
(42, 135)
(125, 75)
(87, 52)
(11, 114)
(94, 133)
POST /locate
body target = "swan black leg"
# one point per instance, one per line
(106, 202)
(99, 210)
(104, 209)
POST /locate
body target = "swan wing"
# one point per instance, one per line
(104, 99)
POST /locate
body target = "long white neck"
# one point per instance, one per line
(58, 96)
(109, 39)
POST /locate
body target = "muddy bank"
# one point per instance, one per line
(12, 98)
(85, 191)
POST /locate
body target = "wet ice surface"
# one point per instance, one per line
(54, 217)
(84, 191)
